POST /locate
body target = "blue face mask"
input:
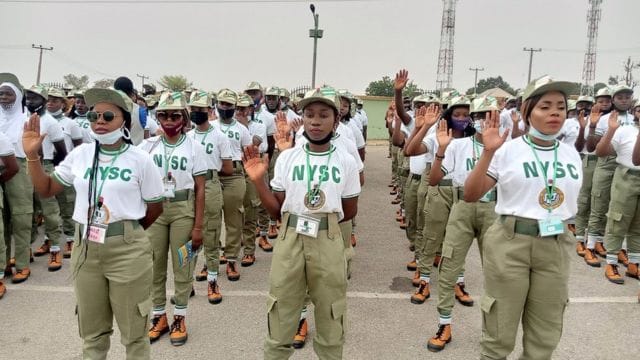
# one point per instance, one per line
(537, 134)
(460, 123)
(477, 124)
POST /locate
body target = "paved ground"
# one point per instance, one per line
(600, 323)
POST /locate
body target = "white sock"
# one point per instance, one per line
(158, 311)
(54, 248)
(424, 278)
(460, 279)
(303, 314)
(212, 276)
(179, 311)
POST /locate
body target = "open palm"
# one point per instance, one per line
(255, 166)
(31, 138)
(491, 138)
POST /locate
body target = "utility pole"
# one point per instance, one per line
(316, 34)
(475, 81)
(41, 48)
(143, 77)
(531, 51)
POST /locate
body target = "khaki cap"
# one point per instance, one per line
(151, 100)
(571, 105)
(545, 84)
(459, 101)
(115, 97)
(272, 91)
(228, 96)
(56, 93)
(605, 91)
(285, 93)
(585, 98)
(244, 100)
(172, 100)
(10, 78)
(40, 90)
(620, 89)
(253, 85)
(326, 95)
(200, 98)
(484, 103)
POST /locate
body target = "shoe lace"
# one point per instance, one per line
(52, 257)
(440, 331)
(300, 326)
(154, 322)
(614, 270)
(213, 286)
(232, 266)
(176, 323)
(423, 285)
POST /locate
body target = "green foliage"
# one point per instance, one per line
(76, 82)
(174, 82)
(104, 83)
(384, 87)
(490, 83)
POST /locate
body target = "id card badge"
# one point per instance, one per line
(97, 233)
(308, 226)
(169, 188)
(551, 226)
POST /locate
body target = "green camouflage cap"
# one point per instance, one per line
(326, 95)
(424, 98)
(343, 93)
(272, 91)
(584, 98)
(172, 100)
(115, 97)
(40, 90)
(244, 100)
(605, 91)
(285, 93)
(253, 85)
(151, 100)
(620, 89)
(200, 98)
(228, 96)
(10, 78)
(571, 104)
(545, 84)
(79, 93)
(483, 104)
(459, 101)
(56, 93)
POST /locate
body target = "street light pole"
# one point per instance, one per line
(475, 81)
(316, 34)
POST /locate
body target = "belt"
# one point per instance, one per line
(237, 164)
(634, 172)
(180, 195)
(210, 175)
(589, 157)
(47, 162)
(493, 195)
(116, 228)
(416, 177)
(524, 226)
(293, 221)
(446, 182)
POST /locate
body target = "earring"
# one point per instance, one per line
(126, 134)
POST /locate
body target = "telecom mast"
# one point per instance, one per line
(445, 56)
(589, 68)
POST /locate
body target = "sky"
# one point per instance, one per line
(218, 44)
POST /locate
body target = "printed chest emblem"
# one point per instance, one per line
(551, 201)
(314, 199)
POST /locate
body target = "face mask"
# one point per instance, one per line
(537, 134)
(227, 114)
(109, 138)
(55, 113)
(318, 142)
(35, 108)
(478, 126)
(460, 124)
(256, 102)
(172, 131)
(199, 118)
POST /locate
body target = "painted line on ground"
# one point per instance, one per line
(350, 294)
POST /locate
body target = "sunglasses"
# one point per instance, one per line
(163, 116)
(93, 116)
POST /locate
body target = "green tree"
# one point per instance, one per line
(76, 82)
(104, 83)
(613, 80)
(384, 87)
(174, 82)
(598, 86)
(490, 83)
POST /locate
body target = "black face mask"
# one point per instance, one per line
(35, 108)
(226, 114)
(199, 118)
(318, 142)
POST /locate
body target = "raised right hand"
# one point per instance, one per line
(402, 77)
(491, 138)
(31, 138)
(283, 137)
(444, 135)
(596, 113)
(255, 166)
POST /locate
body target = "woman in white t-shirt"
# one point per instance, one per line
(183, 168)
(314, 188)
(119, 195)
(526, 251)
(10, 168)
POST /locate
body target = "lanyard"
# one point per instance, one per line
(106, 172)
(476, 149)
(168, 157)
(228, 126)
(309, 191)
(206, 134)
(550, 184)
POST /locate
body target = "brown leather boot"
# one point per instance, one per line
(462, 296)
(213, 292)
(202, 275)
(301, 335)
(3, 289)
(395, 201)
(247, 260)
(44, 249)
(21, 275)
(272, 232)
(623, 258)
(265, 244)
(403, 223)
(436, 261)
(591, 259)
(416, 279)
(421, 294)
(394, 191)
(354, 242)
(399, 215)
(442, 338)
(178, 335)
(232, 272)
(412, 265)
(632, 271)
(68, 247)
(611, 273)
(159, 327)
(580, 248)
(600, 250)
(223, 259)
(55, 261)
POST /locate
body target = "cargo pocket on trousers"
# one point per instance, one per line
(273, 318)
(489, 317)
(79, 322)
(139, 328)
(338, 312)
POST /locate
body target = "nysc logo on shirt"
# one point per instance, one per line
(174, 162)
(531, 170)
(110, 173)
(323, 171)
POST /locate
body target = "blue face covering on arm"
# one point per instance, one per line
(143, 117)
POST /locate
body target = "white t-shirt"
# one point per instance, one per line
(363, 117)
(6, 147)
(184, 159)
(85, 127)
(152, 124)
(259, 130)
(623, 142)
(269, 121)
(507, 123)
(336, 169)
(569, 131)
(356, 120)
(71, 132)
(357, 134)
(522, 189)
(291, 115)
(431, 142)
(129, 181)
(50, 126)
(237, 135)
(215, 145)
(603, 123)
(342, 144)
(417, 164)
(460, 158)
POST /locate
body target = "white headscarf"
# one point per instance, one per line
(12, 120)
